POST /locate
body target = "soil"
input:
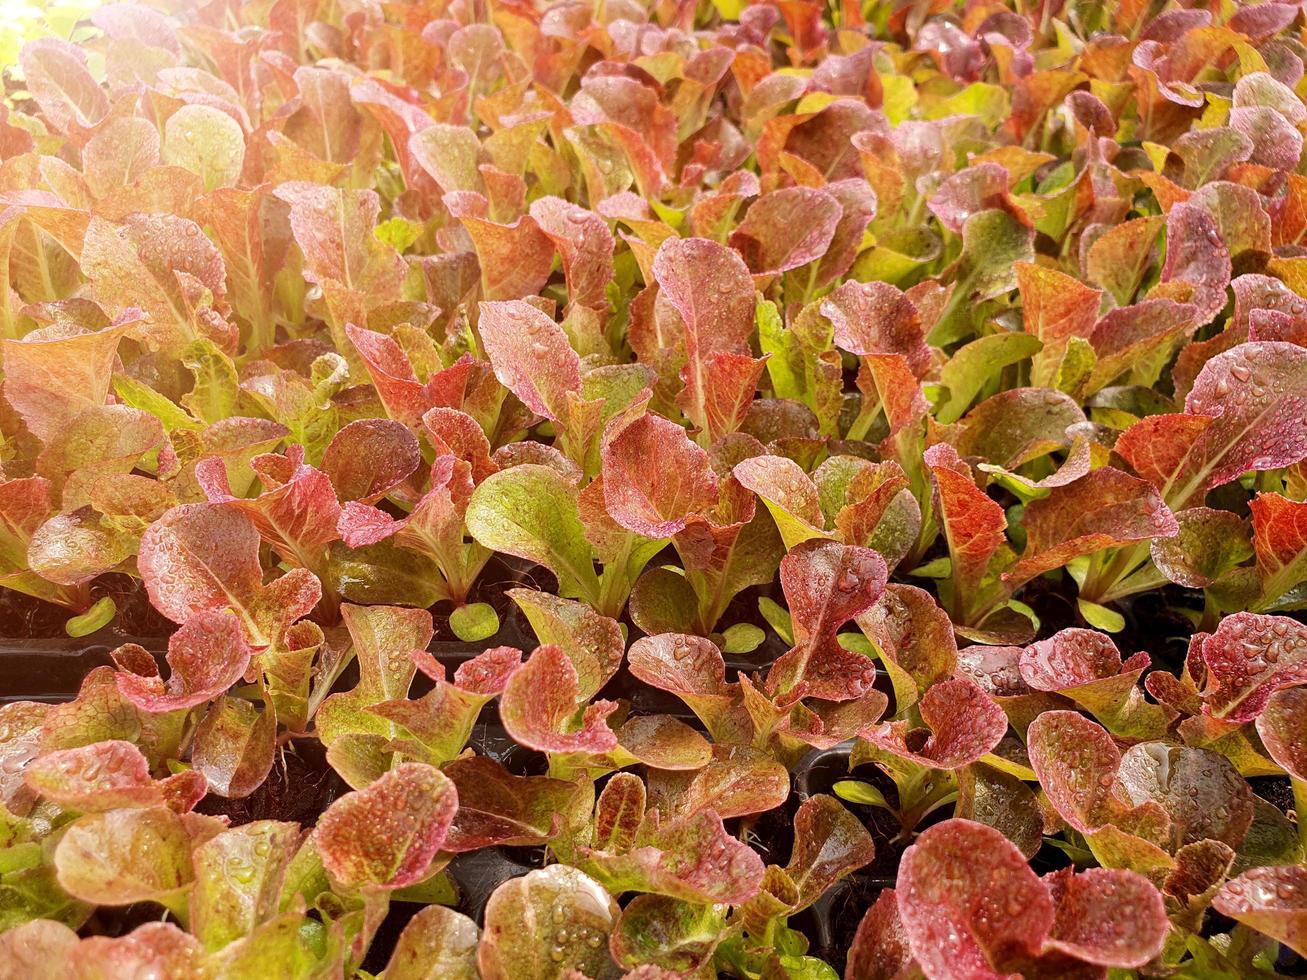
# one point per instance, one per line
(301, 785)
(23, 617)
(491, 587)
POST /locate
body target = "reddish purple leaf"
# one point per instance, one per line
(1245, 412)
(539, 707)
(826, 585)
(387, 835)
(1248, 659)
(207, 655)
(586, 245)
(1272, 901)
(101, 776)
(531, 356)
(877, 318)
(202, 557)
(786, 229)
(829, 843)
(969, 902)
(1107, 916)
(370, 457)
(880, 949)
(1282, 726)
(497, 808)
(657, 502)
(965, 723)
(1077, 764)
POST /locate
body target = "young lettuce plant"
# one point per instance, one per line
(425, 556)
(967, 904)
(817, 694)
(725, 546)
(830, 843)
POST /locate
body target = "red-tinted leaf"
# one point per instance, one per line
(877, 318)
(165, 266)
(1056, 308)
(692, 858)
(969, 902)
(709, 287)
(531, 356)
(540, 707)
(656, 503)
(333, 228)
(98, 858)
(238, 878)
(437, 942)
(692, 668)
(1282, 726)
(880, 949)
(1077, 763)
(1210, 543)
(297, 512)
(586, 245)
(102, 776)
(973, 524)
(201, 557)
(826, 584)
(1070, 658)
(1248, 659)
(515, 258)
(1201, 791)
(1270, 900)
(206, 656)
(1245, 412)
(152, 949)
(916, 636)
(387, 835)
(829, 843)
(53, 374)
(965, 723)
(235, 746)
(523, 919)
(1105, 508)
(1279, 542)
(1107, 916)
(370, 457)
(497, 808)
(786, 229)
(56, 74)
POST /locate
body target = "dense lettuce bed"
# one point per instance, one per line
(654, 490)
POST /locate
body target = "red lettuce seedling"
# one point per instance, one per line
(1269, 900)
(964, 724)
(826, 585)
(971, 906)
(569, 917)
(357, 738)
(1248, 658)
(203, 557)
(386, 836)
(1085, 666)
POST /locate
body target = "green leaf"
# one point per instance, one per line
(972, 366)
(856, 791)
(238, 874)
(398, 232)
(742, 638)
(778, 618)
(125, 856)
(474, 622)
(1101, 616)
(93, 619)
(530, 511)
(217, 387)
